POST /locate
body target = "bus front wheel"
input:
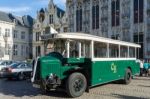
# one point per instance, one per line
(76, 85)
(128, 76)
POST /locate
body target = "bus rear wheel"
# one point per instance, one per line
(76, 85)
(128, 76)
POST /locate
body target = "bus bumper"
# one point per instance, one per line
(51, 82)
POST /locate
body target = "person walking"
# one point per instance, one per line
(145, 68)
(141, 67)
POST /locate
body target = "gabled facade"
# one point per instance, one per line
(15, 37)
(52, 16)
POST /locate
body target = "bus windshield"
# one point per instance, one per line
(76, 48)
(56, 46)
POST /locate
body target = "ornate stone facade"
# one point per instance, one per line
(52, 16)
(127, 20)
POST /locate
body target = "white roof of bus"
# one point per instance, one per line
(83, 36)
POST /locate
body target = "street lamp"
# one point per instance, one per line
(5, 37)
(5, 40)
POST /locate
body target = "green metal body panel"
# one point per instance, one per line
(53, 65)
(74, 60)
(99, 71)
(106, 71)
(49, 65)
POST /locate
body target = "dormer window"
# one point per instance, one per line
(42, 15)
(38, 25)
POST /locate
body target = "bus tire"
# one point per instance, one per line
(76, 85)
(128, 76)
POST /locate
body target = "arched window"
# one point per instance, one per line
(95, 15)
(51, 20)
(115, 11)
(138, 11)
(79, 18)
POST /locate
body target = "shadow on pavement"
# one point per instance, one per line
(127, 97)
(143, 78)
(17, 88)
(143, 86)
(24, 88)
(56, 94)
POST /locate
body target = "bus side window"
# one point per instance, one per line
(74, 49)
(100, 50)
(132, 52)
(113, 51)
(123, 51)
(85, 49)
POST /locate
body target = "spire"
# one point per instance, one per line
(51, 2)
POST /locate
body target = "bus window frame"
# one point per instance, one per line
(80, 44)
(91, 53)
(96, 54)
(108, 55)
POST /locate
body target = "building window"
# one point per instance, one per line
(15, 50)
(65, 29)
(38, 51)
(15, 34)
(7, 49)
(95, 17)
(138, 11)
(58, 30)
(47, 30)
(115, 11)
(38, 34)
(27, 50)
(7, 32)
(51, 19)
(38, 25)
(79, 20)
(139, 39)
(22, 35)
(23, 50)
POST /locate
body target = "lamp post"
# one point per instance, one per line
(1, 52)
(5, 37)
(5, 40)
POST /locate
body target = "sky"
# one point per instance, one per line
(27, 7)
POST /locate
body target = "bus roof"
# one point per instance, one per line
(88, 37)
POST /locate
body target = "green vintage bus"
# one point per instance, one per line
(76, 62)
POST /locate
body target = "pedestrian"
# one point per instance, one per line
(141, 67)
(145, 68)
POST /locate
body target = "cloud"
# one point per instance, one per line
(15, 9)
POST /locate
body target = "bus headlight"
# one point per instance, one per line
(53, 79)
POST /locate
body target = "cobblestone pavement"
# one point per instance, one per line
(139, 88)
